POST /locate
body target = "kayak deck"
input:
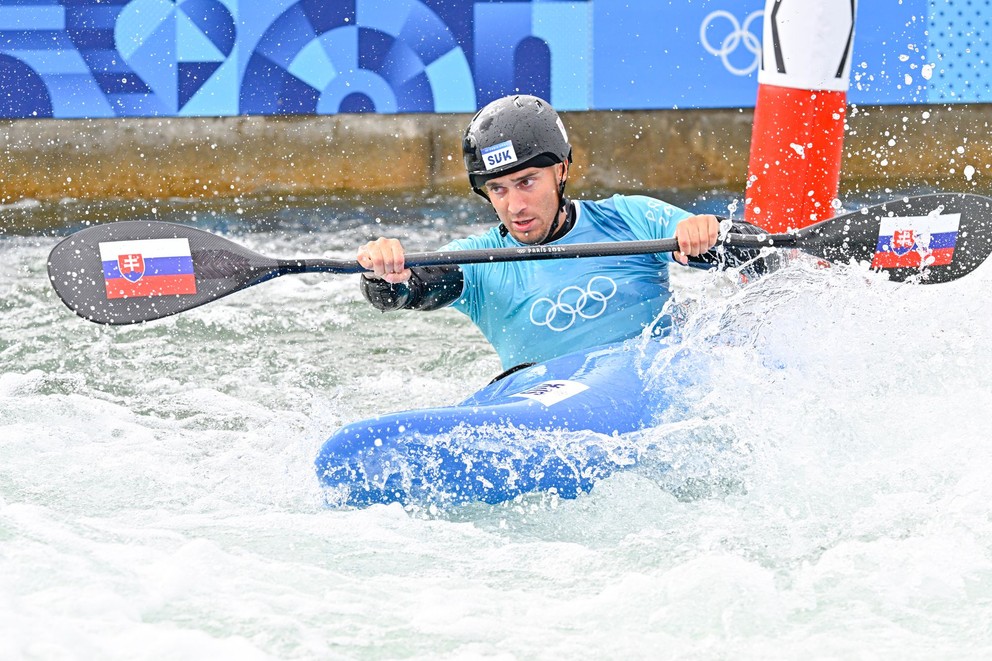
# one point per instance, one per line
(553, 427)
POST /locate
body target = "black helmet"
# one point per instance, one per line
(510, 134)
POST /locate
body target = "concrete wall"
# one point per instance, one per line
(886, 146)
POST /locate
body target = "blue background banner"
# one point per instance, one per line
(119, 58)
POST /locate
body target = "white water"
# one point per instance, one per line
(830, 496)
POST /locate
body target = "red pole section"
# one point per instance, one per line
(798, 134)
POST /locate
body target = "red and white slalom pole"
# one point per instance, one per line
(798, 133)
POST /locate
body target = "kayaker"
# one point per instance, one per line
(517, 155)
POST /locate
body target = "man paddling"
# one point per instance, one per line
(517, 155)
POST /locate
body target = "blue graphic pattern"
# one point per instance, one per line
(119, 58)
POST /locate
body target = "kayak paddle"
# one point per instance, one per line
(133, 271)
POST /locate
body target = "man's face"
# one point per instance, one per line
(526, 201)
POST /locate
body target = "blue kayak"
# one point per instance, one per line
(557, 426)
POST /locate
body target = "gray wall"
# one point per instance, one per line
(886, 146)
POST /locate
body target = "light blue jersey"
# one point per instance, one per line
(531, 311)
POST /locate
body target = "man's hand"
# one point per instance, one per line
(384, 258)
(695, 235)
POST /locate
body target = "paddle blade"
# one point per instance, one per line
(133, 271)
(930, 238)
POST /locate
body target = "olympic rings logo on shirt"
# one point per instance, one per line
(573, 303)
(738, 35)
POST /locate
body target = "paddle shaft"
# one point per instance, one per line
(528, 253)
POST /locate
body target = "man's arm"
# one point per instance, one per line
(735, 256)
(391, 286)
(427, 288)
(696, 235)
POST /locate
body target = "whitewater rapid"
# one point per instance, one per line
(828, 494)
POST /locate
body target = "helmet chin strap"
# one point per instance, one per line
(562, 202)
(561, 207)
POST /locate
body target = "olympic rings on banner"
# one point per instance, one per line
(738, 35)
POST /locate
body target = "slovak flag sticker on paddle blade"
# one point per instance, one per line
(916, 241)
(147, 267)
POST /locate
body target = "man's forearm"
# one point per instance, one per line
(429, 288)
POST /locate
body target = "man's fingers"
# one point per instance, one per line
(394, 256)
(386, 259)
(394, 278)
(689, 240)
(364, 257)
(695, 236)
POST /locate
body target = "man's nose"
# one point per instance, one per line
(516, 202)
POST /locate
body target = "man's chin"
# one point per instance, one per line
(527, 238)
